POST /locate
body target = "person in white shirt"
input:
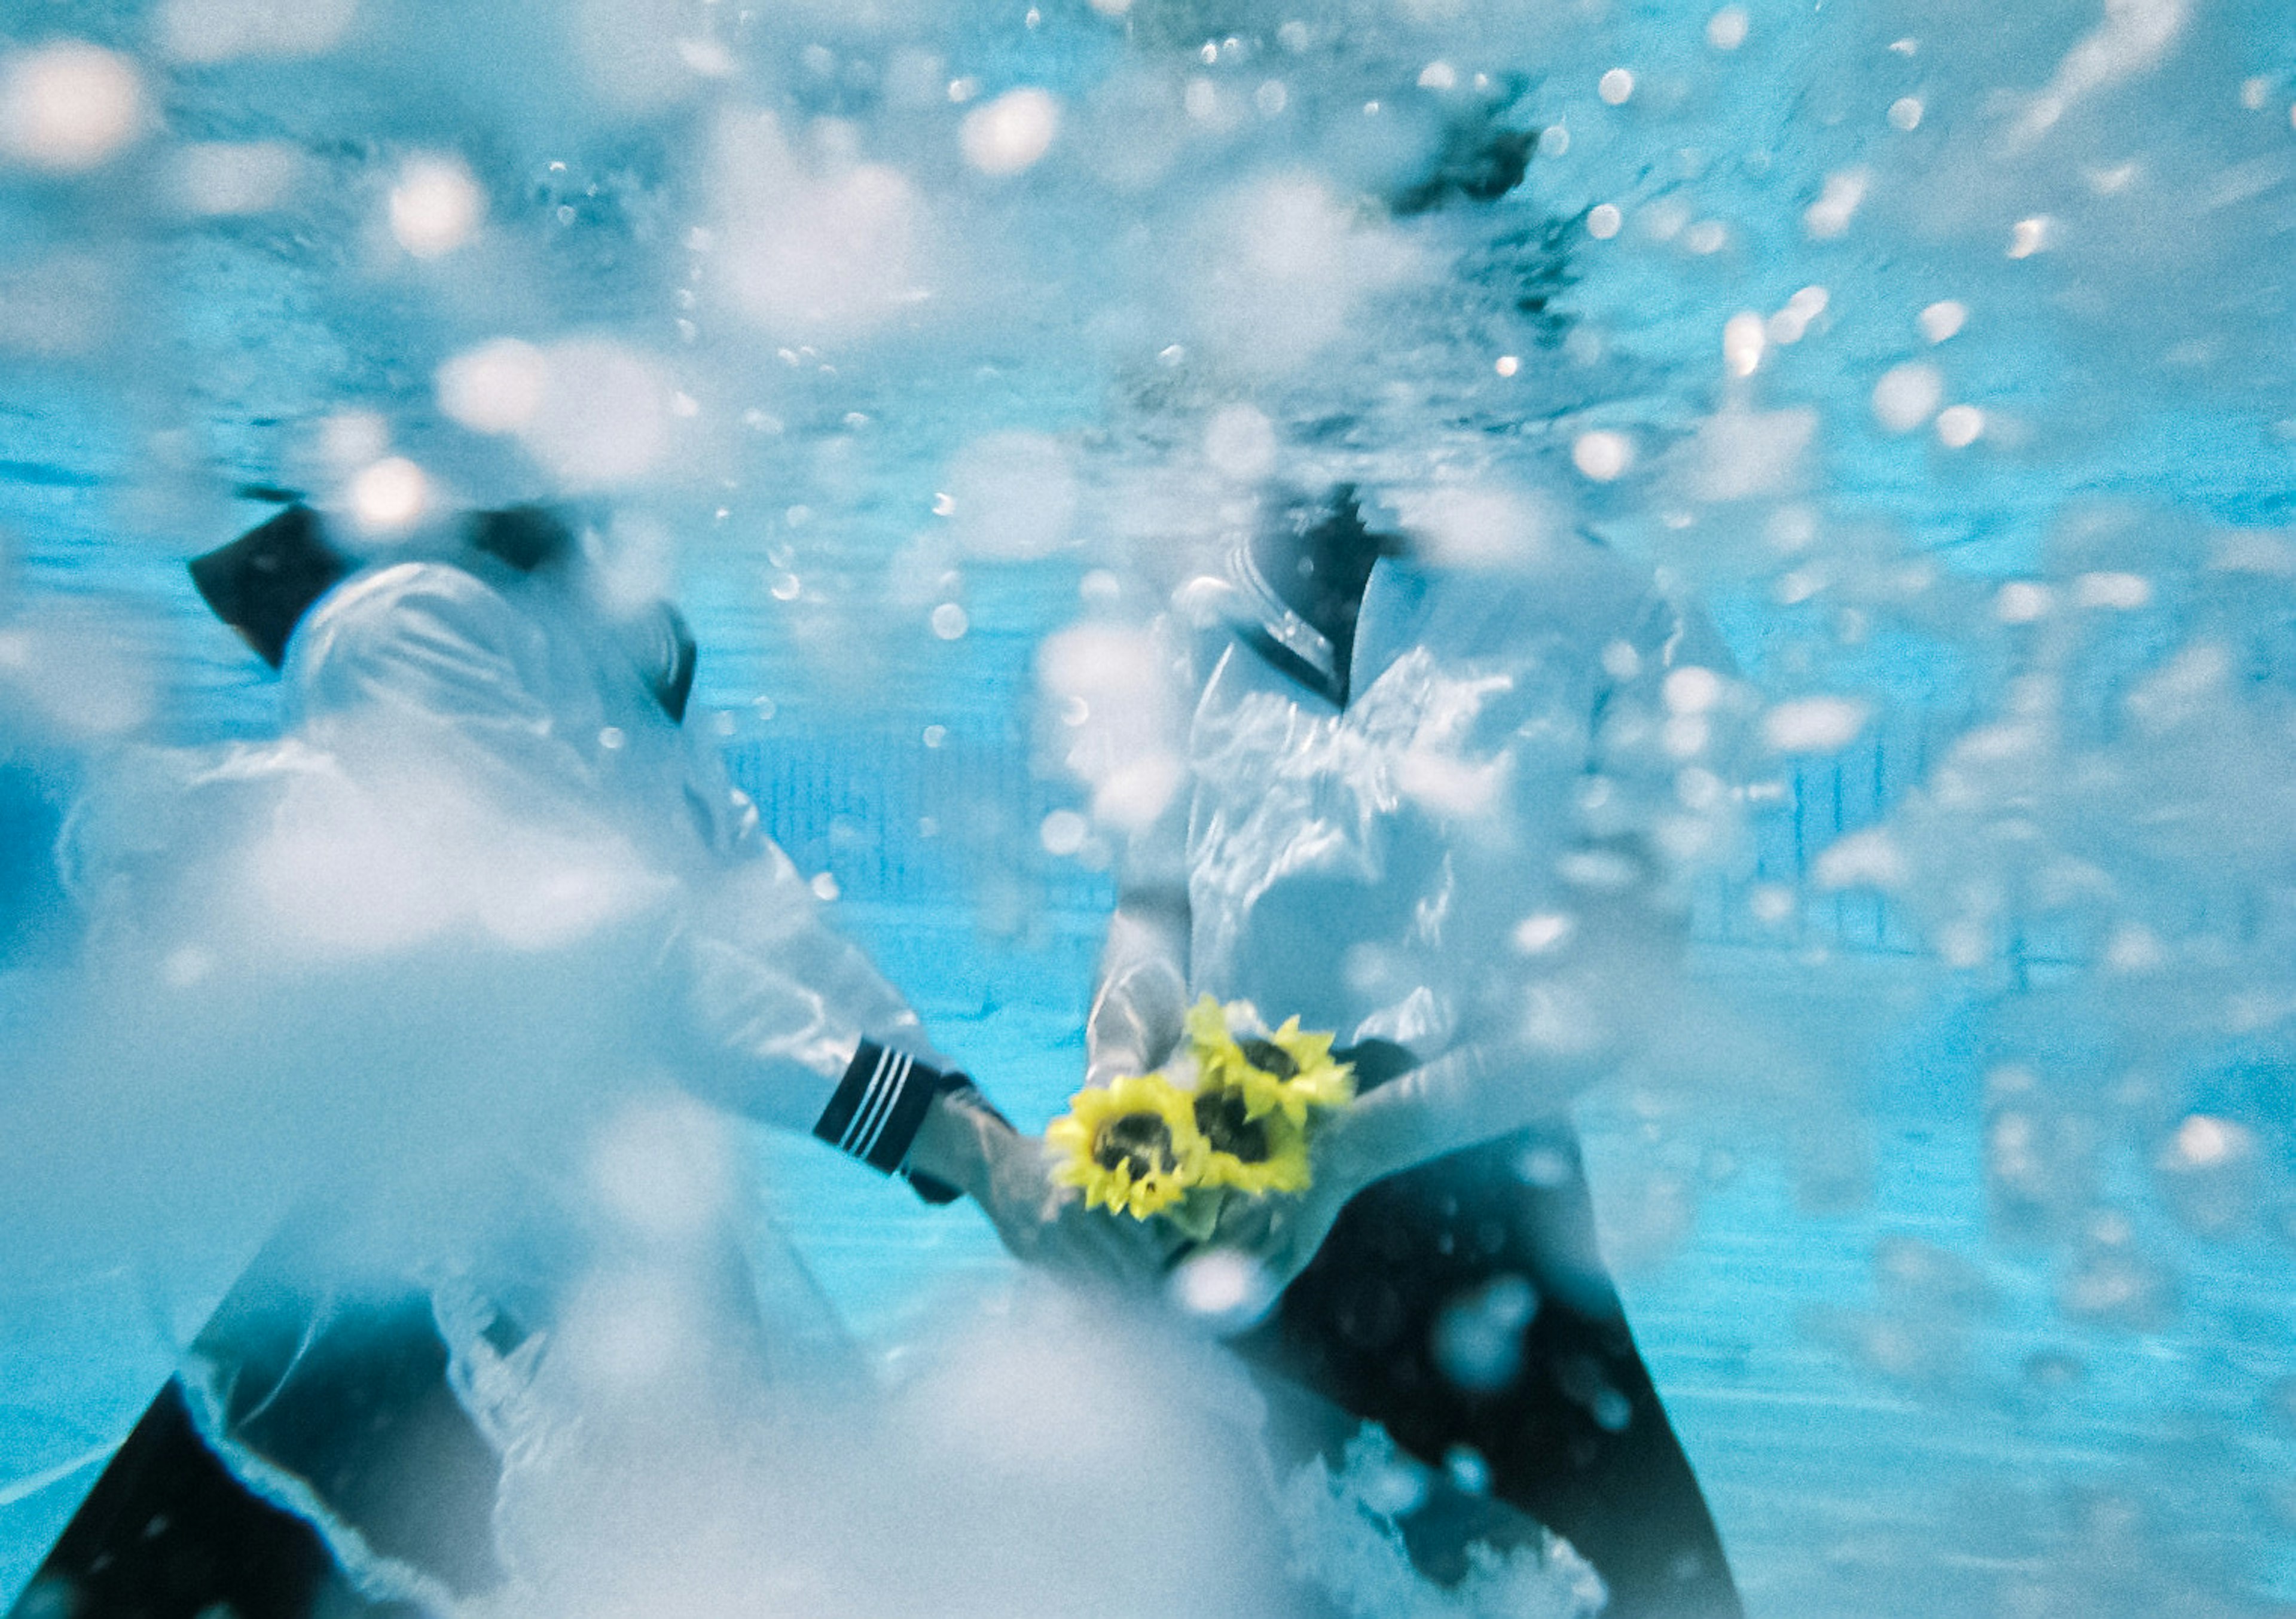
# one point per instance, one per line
(1414, 811)
(516, 744)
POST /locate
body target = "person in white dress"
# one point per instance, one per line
(1416, 809)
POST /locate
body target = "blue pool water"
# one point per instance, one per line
(1944, 351)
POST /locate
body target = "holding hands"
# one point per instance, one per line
(1236, 1144)
(1281, 1235)
(1247, 1142)
(1040, 1222)
(1243, 1143)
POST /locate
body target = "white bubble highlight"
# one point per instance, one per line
(1861, 860)
(2122, 592)
(1943, 320)
(1603, 454)
(495, 388)
(1226, 1290)
(1740, 454)
(811, 249)
(69, 107)
(2023, 601)
(2201, 1141)
(1543, 932)
(604, 415)
(1011, 133)
(1480, 526)
(1815, 724)
(1907, 396)
(1790, 324)
(389, 495)
(1726, 30)
(1691, 690)
(2030, 236)
(436, 207)
(1959, 426)
(1062, 832)
(1838, 203)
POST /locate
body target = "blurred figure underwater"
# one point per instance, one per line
(1411, 813)
(482, 753)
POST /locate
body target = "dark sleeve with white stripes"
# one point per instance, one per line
(879, 1107)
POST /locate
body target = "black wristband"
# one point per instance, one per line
(875, 1111)
(880, 1105)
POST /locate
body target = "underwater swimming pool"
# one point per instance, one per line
(1941, 352)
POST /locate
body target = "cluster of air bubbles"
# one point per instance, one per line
(1943, 361)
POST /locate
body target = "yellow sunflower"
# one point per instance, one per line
(1211, 1040)
(1252, 1154)
(1221, 1057)
(1290, 1069)
(1131, 1146)
(1301, 1064)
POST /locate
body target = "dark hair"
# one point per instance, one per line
(527, 537)
(265, 581)
(1317, 554)
(1310, 561)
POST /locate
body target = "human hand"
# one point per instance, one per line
(1040, 1222)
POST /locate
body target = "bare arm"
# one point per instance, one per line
(1141, 995)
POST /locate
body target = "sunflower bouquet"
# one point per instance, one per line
(1231, 1116)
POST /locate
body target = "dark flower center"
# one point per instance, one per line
(1220, 1115)
(1268, 1058)
(1141, 1139)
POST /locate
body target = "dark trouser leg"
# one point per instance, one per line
(169, 1533)
(1575, 1436)
(344, 1394)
